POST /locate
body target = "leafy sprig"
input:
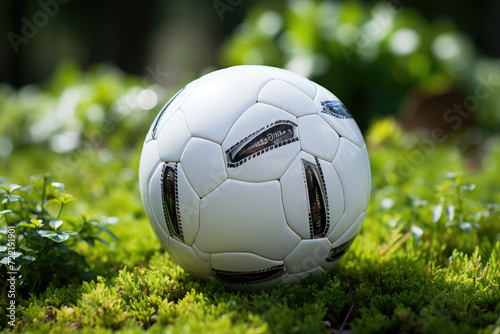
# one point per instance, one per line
(38, 242)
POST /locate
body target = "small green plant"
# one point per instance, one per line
(37, 242)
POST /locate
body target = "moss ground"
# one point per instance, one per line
(426, 261)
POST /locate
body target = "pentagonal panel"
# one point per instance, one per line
(220, 98)
(312, 196)
(317, 137)
(261, 144)
(352, 165)
(285, 96)
(203, 163)
(335, 113)
(175, 204)
(173, 137)
(185, 257)
(168, 109)
(245, 217)
(148, 163)
(298, 81)
(308, 255)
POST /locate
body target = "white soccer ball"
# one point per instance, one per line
(254, 175)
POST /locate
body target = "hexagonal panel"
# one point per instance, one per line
(185, 257)
(202, 255)
(352, 165)
(220, 98)
(343, 238)
(345, 126)
(203, 163)
(299, 277)
(317, 137)
(168, 109)
(304, 85)
(347, 228)
(242, 262)
(281, 94)
(308, 255)
(312, 196)
(189, 207)
(245, 217)
(173, 137)
(261, 144)
(148, 163)
(162, 236)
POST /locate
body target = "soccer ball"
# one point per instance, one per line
(254, 175)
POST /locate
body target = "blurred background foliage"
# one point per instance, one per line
(373, 57)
